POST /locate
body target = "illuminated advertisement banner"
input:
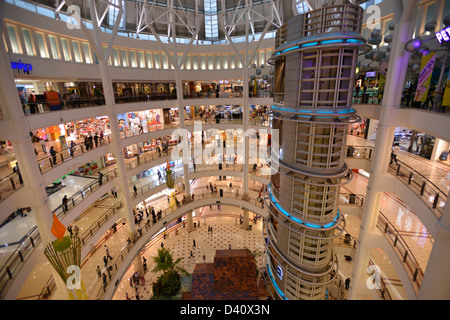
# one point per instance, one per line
(446, 99)
(443, 35)
(426, 69)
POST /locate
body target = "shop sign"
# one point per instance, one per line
(423, 84)
(21, 66)
(443, 35)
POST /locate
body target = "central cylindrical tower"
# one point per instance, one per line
(315, 63)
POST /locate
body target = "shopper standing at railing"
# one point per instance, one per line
(32, 103)
(53, 154)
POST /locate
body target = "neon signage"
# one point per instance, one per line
(443, 35)
(21, 66)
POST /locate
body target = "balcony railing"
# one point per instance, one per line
(166, 213)
(432, 195)
(48, 162)
(394, 237)
(9, 184)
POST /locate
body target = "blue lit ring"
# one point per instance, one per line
(307, 225)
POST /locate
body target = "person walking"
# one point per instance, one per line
(72, 148)
(96, 138)
(76, 229)
(347, 283)
(394, 153)
(43, 145)
(104, 280)
(107, 253)
(99, 272)
(64, 203)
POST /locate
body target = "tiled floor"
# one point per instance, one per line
(227, 231)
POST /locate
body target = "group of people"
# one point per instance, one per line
(90, 140)
(149, 210)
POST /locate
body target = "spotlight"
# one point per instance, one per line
(413, 45)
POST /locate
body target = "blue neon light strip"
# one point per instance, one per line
(289, 49)
(287, 214)
(313, 111)
(317, 43)
(275, 284)
(311, 44)
(332, 41)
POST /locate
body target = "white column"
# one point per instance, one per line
(245, 223)
(189, 221)
(245, 112)
(24, 153)
(439, 146)
(435, 285)
(385, 136)
(117, 150)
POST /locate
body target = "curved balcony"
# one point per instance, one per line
(433, 196)
(121, 263)
(32, 239)
(395, 239)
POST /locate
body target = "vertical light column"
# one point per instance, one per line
(316, 61)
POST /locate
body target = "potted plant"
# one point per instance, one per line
(169, 282)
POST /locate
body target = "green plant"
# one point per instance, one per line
(96, 92)
(169, 282)
(255, 254)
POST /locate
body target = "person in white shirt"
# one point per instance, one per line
(394, 153)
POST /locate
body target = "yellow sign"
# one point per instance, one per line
(446, 99)
(426, 69)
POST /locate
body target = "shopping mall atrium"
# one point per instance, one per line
(225, 150)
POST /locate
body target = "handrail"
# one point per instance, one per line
(48, 162)
(411, 265)
(10, 184)
(11, 266)
(426, 188)
(399, 245)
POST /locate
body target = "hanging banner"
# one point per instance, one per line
(446, 99)
(426, 69)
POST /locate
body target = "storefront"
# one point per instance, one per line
(146, 119)
(79, 129)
